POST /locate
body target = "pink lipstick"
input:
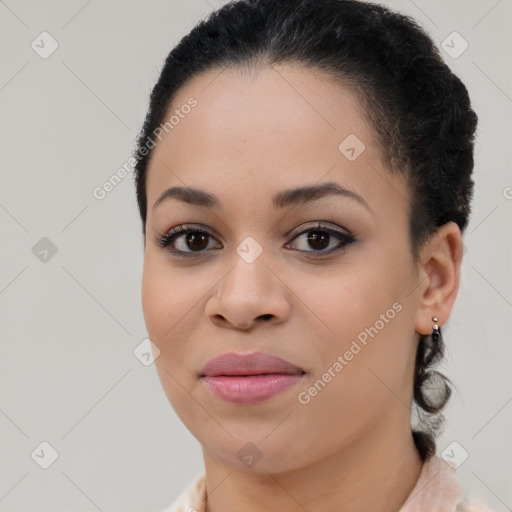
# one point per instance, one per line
(249, 378)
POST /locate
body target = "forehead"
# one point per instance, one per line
(268, 128)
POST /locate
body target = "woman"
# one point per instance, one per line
(304, 179)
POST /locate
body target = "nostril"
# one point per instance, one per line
(268, 316)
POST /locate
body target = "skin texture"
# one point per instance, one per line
(251, 135)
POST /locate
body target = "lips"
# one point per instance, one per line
(256, 363)
(247, 379)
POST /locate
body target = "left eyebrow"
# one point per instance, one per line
(313, 192)
(282, 199)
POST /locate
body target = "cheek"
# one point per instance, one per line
(363, 347)
(345, 398)
(155, 300)
(166, 298)
(172, 299)
(344, 306)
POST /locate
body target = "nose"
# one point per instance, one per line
(248, 295)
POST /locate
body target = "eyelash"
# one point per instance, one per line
(163, 240)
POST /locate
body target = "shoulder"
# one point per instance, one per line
(192, 498)
(476, 505)
(438, 489)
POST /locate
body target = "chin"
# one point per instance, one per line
(259, 456)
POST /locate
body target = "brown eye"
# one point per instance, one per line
(321, 241)
(197, 241)
(318, 239)
(186, 241)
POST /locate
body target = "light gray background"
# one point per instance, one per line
(69, 326)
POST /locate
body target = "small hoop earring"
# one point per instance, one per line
(436, 330)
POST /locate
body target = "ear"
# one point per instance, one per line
(439, 275)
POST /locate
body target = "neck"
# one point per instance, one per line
(378, 472)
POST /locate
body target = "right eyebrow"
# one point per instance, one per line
(188, 195)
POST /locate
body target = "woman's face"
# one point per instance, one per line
(339, 301)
